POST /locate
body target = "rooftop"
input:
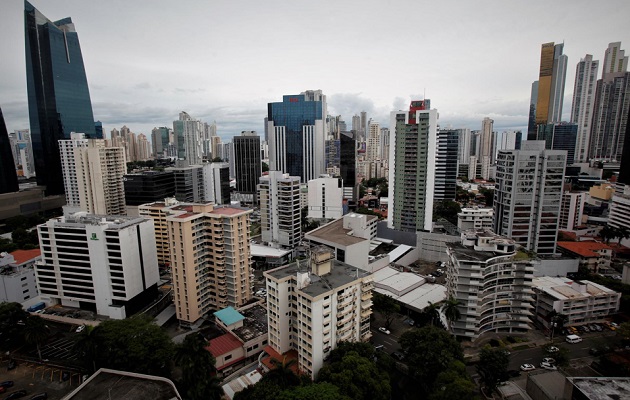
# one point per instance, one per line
(223, 344)
(229, 316)
(334, 232)
(267, 251)
(566, 289)
(584, 249)
(596, 388)
(408, 288)
(22, 256)
(254, 324)
(111, 384)
(465, 253)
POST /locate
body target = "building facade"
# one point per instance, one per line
(325, 197)
(328, 302)
(492, 281)
(188, 131)
(280, 209)
(69, 167)
(572, 209)
(527, 195)
(103, 264)
(58, 94)
(551, 79)
(148, 186)
(247, 162)
(560, 136)
(583, 103)
(446, 165)
(17, 275)
(474, 218)
(412, 160)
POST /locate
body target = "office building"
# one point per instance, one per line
(583, 102)
(531, 125)
(8, 176)
(17, 276)
(581, 302)
(333, 156)
(333, 303)
(474, 218)
(412, 159)
(217, 182)
(160, 139)
(560, 136)
(325, 197)
(551, 79)
(527, 195)
(99, 172)
(297, 132)
(347, 165)
(148, 186)
(464, 149)
(612, 106)
(58, 94)
(210, 259)
(446, 164)
(187, 132)
(492, 280)
(506, 140)
(247, 161)
(104, 264)
(69, 167)
(280, 209)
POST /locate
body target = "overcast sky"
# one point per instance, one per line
(223, 61)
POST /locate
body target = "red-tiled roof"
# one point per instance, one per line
(274, 355)
(22, 256)
(584, 249)
(227, 211)
(223, 345)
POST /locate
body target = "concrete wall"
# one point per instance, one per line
(432, 246)
(399, 237)
(551, 266)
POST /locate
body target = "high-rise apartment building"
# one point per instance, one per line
(373, 145)
(297, 132)
(413, 136)
(325, 197)
(572, 210)
(583, 104)
(612, 106)
(187, 132)
(551, 79)
(158, 211)
(143, 148)
(209, 182)
(527, 195)
(493, 285)
(280, 211)
(333, 303)
(446, 164)
(8, 176)
(99, 173)
(160, 139)
(98, 263)
(486, 151)
(560, 136)
(69, 167)
(58, 94)
(247, 163)
(533, 100)
(210, 259)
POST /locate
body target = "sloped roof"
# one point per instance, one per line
(22, 256)
(223, 345)
(584, 249)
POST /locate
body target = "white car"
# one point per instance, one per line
(527, 367)
(385, 331)
(547, 365)
(80, 329)
(552, 349)
(549, 360)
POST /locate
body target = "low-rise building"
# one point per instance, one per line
(315, 304)
(17, 276)
(492, 280)
(595, 256)
(474, 218)
(581, 302)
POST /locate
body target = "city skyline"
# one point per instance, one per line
(227, 65)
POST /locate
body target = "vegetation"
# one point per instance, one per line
(492, 367)
(610, 232)
(10, 330)
(453, 384)
(307, 223)
(199, 381)
(488, 195)
(265, 167)
(357, 377)
(380, 186)
(451, 309)
(446, 209)
(387, 306)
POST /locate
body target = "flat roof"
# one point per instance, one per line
(420, 297)
(254, 324)
(259, 250)
(602, 388)
(334, 232)
(565, 289)
(229, 315)
(397, 280)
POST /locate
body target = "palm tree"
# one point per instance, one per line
(86, 346)
(432, 312)
(282, 374)
(622, 233)
(451, 309)
(199, 379)
(35, 332)
(607, 233)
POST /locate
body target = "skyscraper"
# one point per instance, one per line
(58, 94)
(552, 75)
(527, 195)
(187, 132)
(447, 144)
(560, 136)
(160, 138)
(247, 161)
(297, 132)
(8, 177)
(583, 103)
(486, 153)
(69, 168)
(412, 153)
(347, 164)
(279, 196)
(612, 106)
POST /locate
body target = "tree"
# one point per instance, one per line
(429, 352)
(357, 377)
(316, 391)
(282, 375)
(363, 349)
(622, 233)
(492, 367)
(446, 209)
(36, 332)
(387, 306)
(451, 309)
(623, 331)
(10, 331)
(265, 167)
(199, 381)
(86, 346)
(217, 159)
(488, 195)
(432, 312)
(607, 233)
(134, 344)
(453, 384)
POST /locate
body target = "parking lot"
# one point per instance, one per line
(35, 379)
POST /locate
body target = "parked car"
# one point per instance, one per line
(513, 373)
(397, 355)
(573, 339)
(552, 349)
(527, 367)
(546, 365)
(384, 330)
(40, 396)
(16, 395)
(6, 384)
(80, 329)
(549, 360)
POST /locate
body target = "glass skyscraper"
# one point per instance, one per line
(8, 177)
(58, 94)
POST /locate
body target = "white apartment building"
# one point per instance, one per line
(492, 280)
(583, 104)
(280, 209)
(158, 211)
(581, 302)
(474, 218)
(17, 276)
(620, 208)
(325, 198)
(99, 173)
(572, 209)
(69, 169)
(373, 142)
(315, 304)
(104, 264)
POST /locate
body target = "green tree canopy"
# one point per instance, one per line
(357, 377)
(446, 209)
(199, 381)
(387, 306)
(492, 367)
(134, 344)
(10, 331)
(86, 347)
(454, 384)
(36, 332)
(316, 391)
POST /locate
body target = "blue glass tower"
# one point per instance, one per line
(297, 134)
(58, 95)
